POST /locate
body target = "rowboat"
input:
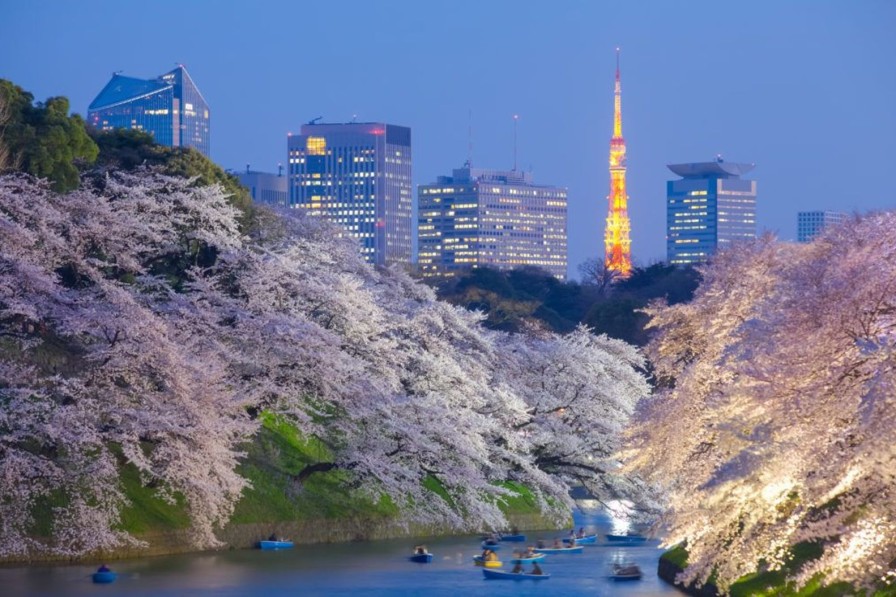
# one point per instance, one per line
(587, 539)
(538, 557)
(626, 538)
(480, 561)
(421, 558)
(104, 577)
(500, 574)
(267, 544)
(626, 572)
(490, 545)
(575, 549)
(513, 537)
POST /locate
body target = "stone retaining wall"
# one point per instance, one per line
(246, 536)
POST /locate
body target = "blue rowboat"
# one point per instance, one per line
(500, 574)
(104, 577)
(513, 537)
(536, 558)
(274, 544)
(587, 539)
(576, 549)
(421, 558)
(626, 538)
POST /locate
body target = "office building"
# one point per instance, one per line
(709, 208)
(492, 218)
(265, 187)
(168, 107)
(358, 175)
(810, 224)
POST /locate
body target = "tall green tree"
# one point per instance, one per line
(42, 139)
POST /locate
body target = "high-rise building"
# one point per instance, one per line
(491, 218)
(169, 107)
(358, 175)
(710, 207)
(265, 187)
(810, 224)
(617, 242)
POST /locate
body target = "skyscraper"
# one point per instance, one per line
(492, 218)
(617, 243)
(810, 224)
(168, 107)
(265, 187)
(708, 209)
(357, 175)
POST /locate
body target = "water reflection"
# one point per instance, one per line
(372, 568)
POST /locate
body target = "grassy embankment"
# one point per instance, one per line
(278, 453)
(773, 583)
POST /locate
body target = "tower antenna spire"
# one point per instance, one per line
(516, 118)
(470, 138)
(617, 243)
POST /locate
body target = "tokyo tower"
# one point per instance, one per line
(617, 244)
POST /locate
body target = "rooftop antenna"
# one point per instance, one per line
(516, 118)
(313, 120)
(470, 138)
(247, 168)
(354, 118)
(279, 169)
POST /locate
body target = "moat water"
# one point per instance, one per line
(369, 568)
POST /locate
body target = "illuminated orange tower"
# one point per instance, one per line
(617, 244)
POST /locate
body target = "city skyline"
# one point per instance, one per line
(779, 85)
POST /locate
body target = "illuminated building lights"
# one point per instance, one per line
(617, 244)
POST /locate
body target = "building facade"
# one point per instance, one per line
(357, 175)
(265, 187)
(810, 224)
(709, 208)
(169, 107)
(492, 218)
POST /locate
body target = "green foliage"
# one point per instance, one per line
(514, 299)
(276, 455)
(42, 139)
(773, 583)
(147, 511)
(125, 149)
(678, 555)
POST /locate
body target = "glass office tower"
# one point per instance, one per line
(358, 175)
(708, 209)
(169, 107)
(810, 224)
(491, 218)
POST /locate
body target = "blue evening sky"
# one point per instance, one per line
(805, 89)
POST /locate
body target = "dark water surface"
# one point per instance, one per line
(371, 568)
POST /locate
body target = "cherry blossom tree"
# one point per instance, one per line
(777, 421)
(141, 329)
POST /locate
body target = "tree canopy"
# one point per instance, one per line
(42, 139)
(775, 428)
(141, 326)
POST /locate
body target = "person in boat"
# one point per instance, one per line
(536, 569)
(273, 537)
(420, 550)
(530, 551)
(557, 543)
(571, 542)
(581, 532)
(491, 556)
(103, 568)
(518, 569)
